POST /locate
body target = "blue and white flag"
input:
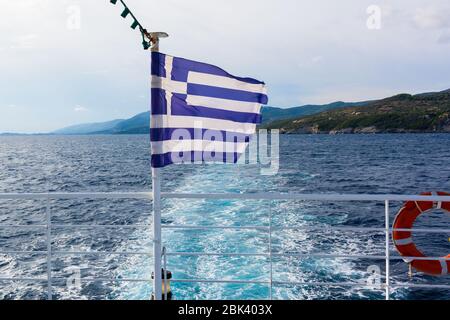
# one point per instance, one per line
(201, 113)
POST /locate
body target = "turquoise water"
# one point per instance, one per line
(309, 164)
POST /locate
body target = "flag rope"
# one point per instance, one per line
(144, 33)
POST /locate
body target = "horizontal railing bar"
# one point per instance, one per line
(100, 253)
(17, 226)
(24, 279)
(314, 255)
(23, 252)
(325, 228)
(230, 254)
(134, 226)
(237, 254)
(311, 255)
(213, 227)
(412, 285)
(330, 284)
(300, 196)
(81, 279)
(220, 281)
(81, 226)
(106, 279)
(78, 252)
(420, 230)
(267, 228)
(368, 257)
(101, 226)
(357, 284)
(77, 195)
(226, 196)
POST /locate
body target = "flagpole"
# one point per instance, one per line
(156, 190)
(150, 40)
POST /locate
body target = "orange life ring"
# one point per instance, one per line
(403, 239)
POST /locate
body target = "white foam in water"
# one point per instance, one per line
(201, 212)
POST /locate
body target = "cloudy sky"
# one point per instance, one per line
(65, 62)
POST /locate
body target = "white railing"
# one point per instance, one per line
(387, 230)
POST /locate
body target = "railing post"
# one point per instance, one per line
(388, 256)
(49, 248)
(270, 249)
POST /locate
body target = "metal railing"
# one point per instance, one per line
(387, 230)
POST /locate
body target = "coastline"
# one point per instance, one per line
(283, 132)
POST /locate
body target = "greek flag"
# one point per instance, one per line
(200, 113)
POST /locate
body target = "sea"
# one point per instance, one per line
(100, 264)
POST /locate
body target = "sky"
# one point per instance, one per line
(64, 62)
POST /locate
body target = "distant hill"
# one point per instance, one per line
(89, 128)
(11, 134)
(140, 123)
(271, 114)
(135, 125)
(426, 112)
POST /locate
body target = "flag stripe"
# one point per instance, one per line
(180, 108)
(224, 93)
(167, 84)
(161, 147)
(158, 100)
(223, 82)
(158, 61)
(225, 104)
(160, 134)
(162, 160)
(182, 67)
(158, 97)
(164, 121)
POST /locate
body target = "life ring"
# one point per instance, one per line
(403, 239)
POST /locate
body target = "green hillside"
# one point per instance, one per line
(427, 112)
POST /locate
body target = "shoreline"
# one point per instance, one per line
(322, 133)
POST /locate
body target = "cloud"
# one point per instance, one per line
(79, 108)
(307, 63)
(431, 17)
(27, 41)
(95, 72)
(317, 59)
(444, 38)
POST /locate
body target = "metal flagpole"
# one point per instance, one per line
(150, 40)
(156, 189)
(157, 276)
